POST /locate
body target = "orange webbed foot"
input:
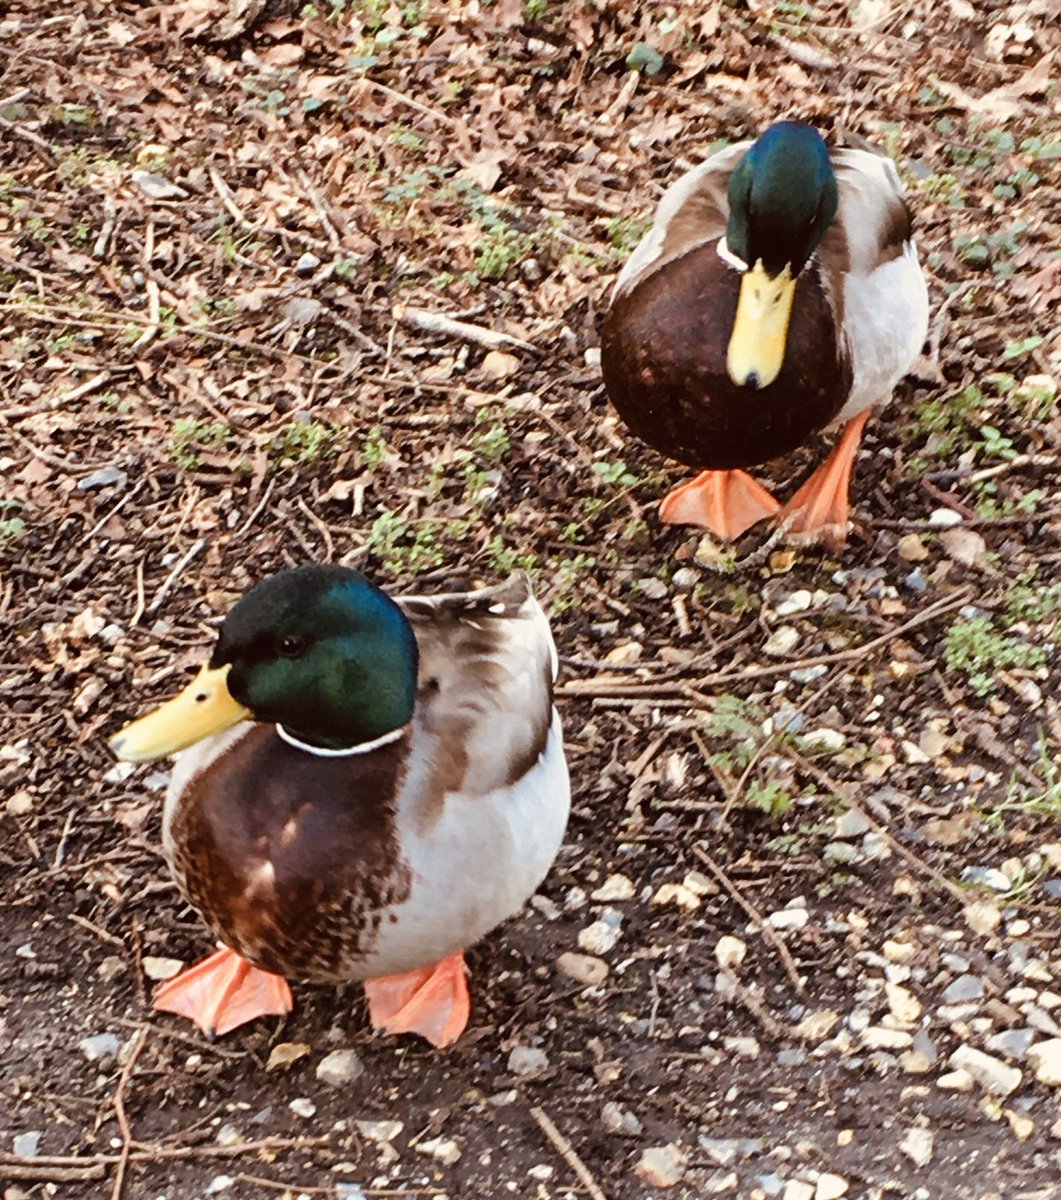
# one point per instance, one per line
(724, 502)
(432, 1001)
(819, 510)
(222, 992)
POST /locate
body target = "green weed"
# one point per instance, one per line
(308, 441)
(190, 437)
(977, 649)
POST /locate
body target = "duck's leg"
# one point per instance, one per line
(725, 502)
(819, 510)
(432, 1001)
(224, 991)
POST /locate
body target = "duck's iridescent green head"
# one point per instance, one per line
(319, 650)
(782, 198)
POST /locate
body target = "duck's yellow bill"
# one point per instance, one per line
(205, 706)
(760, 328)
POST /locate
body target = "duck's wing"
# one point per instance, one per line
(692, 211)
(873, 223)
(485, 699)
(873, 278)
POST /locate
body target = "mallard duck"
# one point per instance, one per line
(777, 293)
(366, 787)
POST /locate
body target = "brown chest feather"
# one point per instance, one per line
(663, 355)
(291, 859)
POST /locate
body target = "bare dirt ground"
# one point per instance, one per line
(220, 225)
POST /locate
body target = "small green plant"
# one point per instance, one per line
(614, 473)
(736, 726)
(625, 232)
(535, 10)
(489, 442)
(506, 559)
(12, 526)
(374, 448)
(308, 441)
(190, 437)
(568, 581)
(403, 546)
(979, 651)
(500, 249)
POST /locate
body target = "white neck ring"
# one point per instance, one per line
(345, 751)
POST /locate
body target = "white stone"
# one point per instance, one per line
(1045, 1060)
(876, 1037)
(303, 1106)
(161, 968)
(598, 938)
(918, 1146)
(585, 969)
(830, 1187)
(730, 951)
(788, 918)
(904, 1005)
(528, 1062)
(615, 887)
(797, 1189)
(831, 740)
(993, 1075)
(782, 641)
(955, 1081)
(661, 1166)
(380, 1131)
(339, 1068)
(443, 1150)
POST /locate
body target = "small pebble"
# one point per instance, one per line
(307, 263)
(918, 1146)
(380, 1131)
(963, 989)
(1045, 1061)
(788, 918)
(956, 1081)
(303, 1106)
(583, 968)
(830, 1187)
(600, 936)
(782, 641)
(993, 1075)
(443, 1150)
(989, 877)
(20, 804)
(541, 1172)
(661, 1166)
(161, 968)
(529, 1062)
(944, 517)
(340, 1068)
(743, 1047)
(904, 1005)
(1013, 1043)
(615, 887)
(830, 740)
(876, 1037)
(102, 478)
(219, 1183)
(798, 1189)
(26, 1144)
(652, 588)
(228, 1135)
(730, 951)
(617, 1119)
(851, 824)
(101, 1046)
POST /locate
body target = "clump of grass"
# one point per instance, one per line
(979, 650)
(190, 437)
(308, 441)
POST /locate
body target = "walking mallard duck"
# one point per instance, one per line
(777, 293)
(367, 786)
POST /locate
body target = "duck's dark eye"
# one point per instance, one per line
(291, 645)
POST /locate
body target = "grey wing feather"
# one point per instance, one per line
(487, 666)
